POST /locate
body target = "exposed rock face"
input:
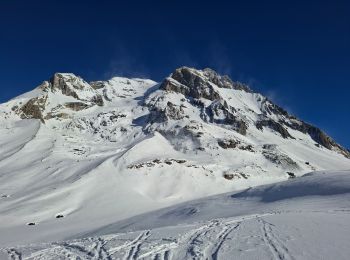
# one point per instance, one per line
(66, 85)
(77, 106)
(33, 108)
(196, 85)
(97, 84)
(317, 135)
(202, 90)
(290, 121)
(165, 113)
(224, 81)
(279, 158)
(174, 112)
(274, 126)
(225, 144)
(320, 137)
(98, 100)
(220, 113)
(269, 108)
(189, 83)
(69, 85)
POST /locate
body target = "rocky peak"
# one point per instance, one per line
(72, 85)
(207, 92)
(199, 83)
(77, 95)
(190, 83)
(60, 80)
(224, 81)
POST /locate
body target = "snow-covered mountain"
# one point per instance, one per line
(76, 156)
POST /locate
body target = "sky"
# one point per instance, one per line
(295, 52)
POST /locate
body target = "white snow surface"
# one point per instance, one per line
(102, 168)
(304, 218)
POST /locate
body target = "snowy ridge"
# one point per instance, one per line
(98, 153)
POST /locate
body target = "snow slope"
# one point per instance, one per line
(304, 218)
(101, 152)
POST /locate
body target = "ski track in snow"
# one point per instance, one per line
(255, 236)
(136, 245)
(286, 231)
(203, 245)
(221, 239)
(205, 241)
(276, 245)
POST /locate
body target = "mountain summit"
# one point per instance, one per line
(126, 146)
(216, 99)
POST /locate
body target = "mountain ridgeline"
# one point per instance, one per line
(195, 86)
(198, 112)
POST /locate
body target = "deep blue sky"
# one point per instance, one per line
(296, 52)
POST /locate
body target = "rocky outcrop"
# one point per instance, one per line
(269, 108)
(98, 84)
(224, 81)
(226, 144)
(219, 112)
(279, 158)
(189, 83)
(69, 85)
(34, 108)
(66, 84)
(320, 137)
(317, 135)
(274, 126)
(174, 112)
(77, 106)
(195, 84)
(160, 114)
(97, 100)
